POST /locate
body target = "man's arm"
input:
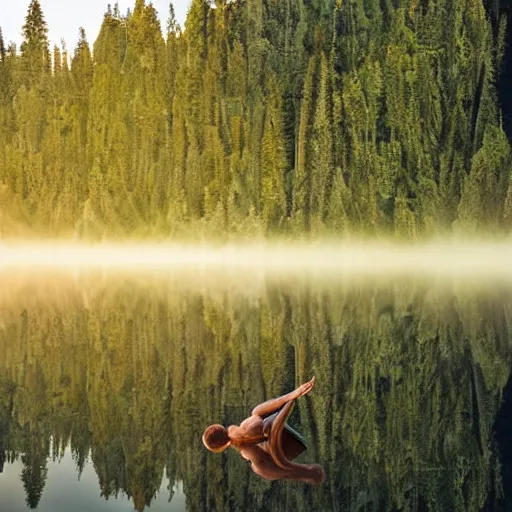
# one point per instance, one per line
(275, 404)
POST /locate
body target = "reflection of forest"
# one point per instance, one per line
(409, 384)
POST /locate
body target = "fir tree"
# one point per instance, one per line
(34, 48)
(2, 47)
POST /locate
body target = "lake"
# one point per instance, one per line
(108, 379)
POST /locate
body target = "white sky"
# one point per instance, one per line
(64, 17)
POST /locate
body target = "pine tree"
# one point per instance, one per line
(302, 192)
(322, 158)
(2, 47)
(34, 48)
(173, 51)
(273, 159)
(81, 66)
(484, 193)
(7, 60)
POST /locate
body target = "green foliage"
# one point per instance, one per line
(364, 117)
(34, 48)
(483, 193)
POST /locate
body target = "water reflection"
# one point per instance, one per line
(127, 372)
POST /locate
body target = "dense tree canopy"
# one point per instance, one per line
(260, 117)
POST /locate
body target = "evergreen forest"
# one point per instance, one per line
(351, 118)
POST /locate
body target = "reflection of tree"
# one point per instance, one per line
(33, 433)
(503, 428)
(33, 476)
(7, 390)
(409, 385)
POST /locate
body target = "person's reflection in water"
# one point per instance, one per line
(267, 442)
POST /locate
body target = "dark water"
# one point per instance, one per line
(107, 382)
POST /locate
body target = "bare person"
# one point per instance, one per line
(267, 442)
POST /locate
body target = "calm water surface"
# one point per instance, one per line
(108, 380)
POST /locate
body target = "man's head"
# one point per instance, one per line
(216, 438)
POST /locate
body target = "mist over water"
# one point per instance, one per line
(323, 259)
